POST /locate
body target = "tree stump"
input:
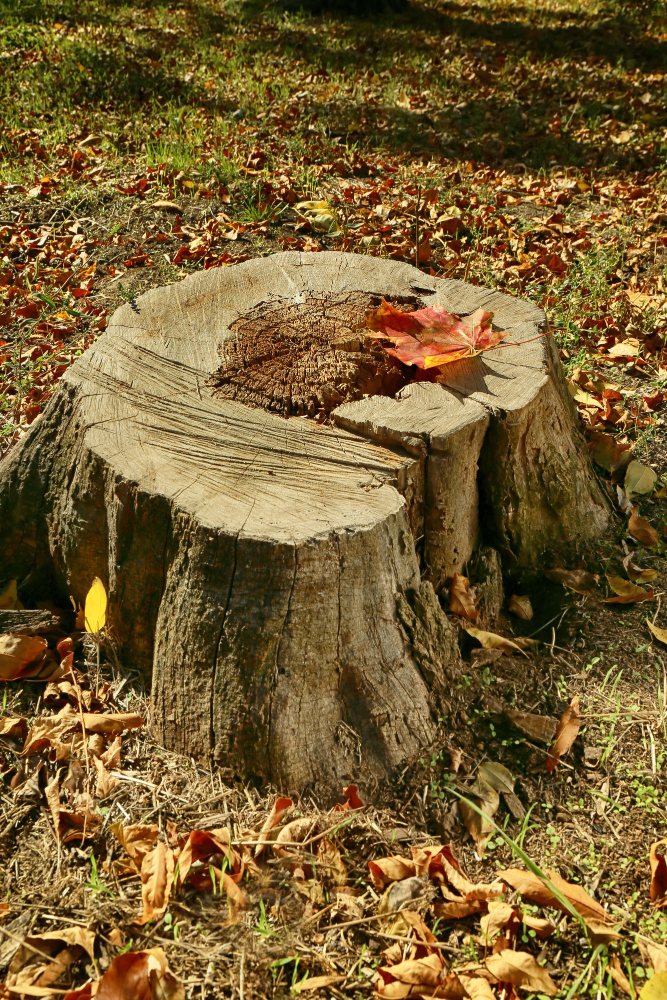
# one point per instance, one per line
(273, 506)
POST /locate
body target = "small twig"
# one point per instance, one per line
(241, 976)
(362, 920)
(417, 206)
(418, 943)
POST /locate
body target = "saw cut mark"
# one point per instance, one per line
(307, 356)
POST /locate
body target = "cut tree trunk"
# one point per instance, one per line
(273, 506)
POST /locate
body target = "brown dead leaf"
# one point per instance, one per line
(476, 987)
(520, 969)
(566, 733)
(391, 869)
(620, 977)
(578, 580)
(106, 783)
(640, 529)
(457, 910)
(489, 640)
(203, 845)
(20, 655)
(137, 839)
(534, 889)
(521, 607)
(15, 729)
(658, 863)
(635, 572)
(111, 725)
(461, 601)
(538, 727)
(272, 820)
(140, 975)
(316, 983)
(609, 453)
(43, 960)
(157, 879)
(352, 800)
(626, 592)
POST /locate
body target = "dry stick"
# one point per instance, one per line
(417, 205)
(361, 920)
(419, 944)
(241, 976)
(85, 748)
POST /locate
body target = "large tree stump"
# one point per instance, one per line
(276, 572)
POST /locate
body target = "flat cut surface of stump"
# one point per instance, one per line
(276, 573)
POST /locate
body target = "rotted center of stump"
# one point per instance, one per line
(308, 355)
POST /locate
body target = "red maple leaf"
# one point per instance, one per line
(431, 337)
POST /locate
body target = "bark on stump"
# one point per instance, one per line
(275, 574)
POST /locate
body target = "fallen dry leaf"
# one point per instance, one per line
(352, 800)
(639, 478)
(659, 633)
(140, 975)
(635, 572)
(31, 973)
(111, 725)
(489, 640)
(157, 879)
(15, 729)
(538, 727)
(432, 337)
(476, 987)
(658, 887)
(19, 654)
(566, 733)
(137, 839)
(640, 529)
(461, 601)
(272, 820)
(202, 845)
(609, 453)
(626, 592)
(655, 988)
(520, 969)
(578, 580)
(536, 891)
(106, 783)
(521, 607)
(316, 983)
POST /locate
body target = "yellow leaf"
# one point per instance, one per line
(655, 988)
(95, 613)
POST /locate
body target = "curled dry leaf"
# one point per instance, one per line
(204, 844)
(295, 832)
(15, 729)
(535, 890)
(272, 820)
(640, 529)
(578, 580)
(476, 987)
(489, 640)
(42, 960)
(521, 607)
(635, 572)
(461, 601)
(627, 592)
(157, 880)
(658, 887)
(352, 800)
(137, 839)
(106, 783)
(520, 969)
(140, 975)
(111, 725)
(566, 733)
(316, 983)
(20, 655)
